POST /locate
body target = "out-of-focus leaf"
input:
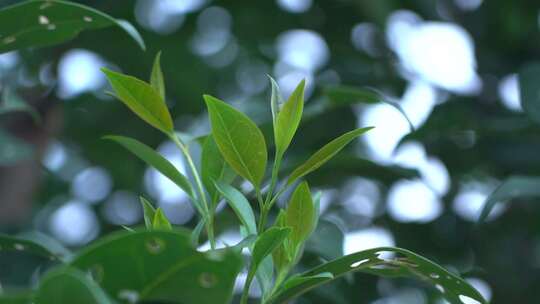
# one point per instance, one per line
(281, 256)
(160, 266)
(267, 242)
(307, 280)
(142, 99)
(51, 244)
(196, 233)
(8, 243)
(240, 205)
(156, 78)
(160, 221)
(69, 285)
(19, 297)
(404, 263)
(13, 150)
(214, 168)
(46, 22)
(239, 139)
(345, 95)
(154, 159)
(529, 88)
(300, 216)
(11, 102)
(325, 153)
(326, 241)
(288, 119)
(148, 212)
(513, 187)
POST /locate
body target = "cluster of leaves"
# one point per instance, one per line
(160, 262)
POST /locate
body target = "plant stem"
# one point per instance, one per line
(198, 182)
(265, 208)
(247, 284)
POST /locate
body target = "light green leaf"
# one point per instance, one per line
(13, 150)
(267, 242)
(240, 205)
(240, 141)
(160, 266)
(196, 233)
(47, 22)
(213, 168)
(288, 119)
(148, 211)
(281, 256)
(154, 159)
(142, 99)
(325, 153)
(156, 78)
(160, 221)
(346, 95)
(275, 102)
(403, 263)
(513, 187)
(300, 217)
(69, 285)
(529, 88)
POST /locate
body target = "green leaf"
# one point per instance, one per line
(20, 245)
(47, 22)
(196, 233)
(156, 78)
(346, 95)
(13, 150)
(18, 297)
(213, 168)
(267, 242)
(160, 221)
(52, 245)
(513, 187)
(275, 102)
(149, 212)
(240, 141)
(69, 285)
(160, 266)
(288, 119)
(142, 99)
(325, 153)
(240, 205)
(326, 241)
(281, 256)
(404, 264)
(154, 159)
(300, 217)
(529, 89)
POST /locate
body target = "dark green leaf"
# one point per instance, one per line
(240, 141)
(8, 243)
(213, 168)
(142, 99)
(240, 205)
(529, 79)
(513, 187)
(47, 22)
(69, 285)
(160, 221)
(307, 280)
(196, 233)
(300, 217)
(19, 297)
(160, 266)
(288, 119)
(154, 159)
(404, 264)
(325, 153)
(149, 212)
(156, 78)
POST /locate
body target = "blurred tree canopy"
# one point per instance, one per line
(451, 65)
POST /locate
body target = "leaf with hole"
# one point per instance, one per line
(529, 88)
(512, 188)
(325, 153)
(17, 244)
(46, 22)
(160, 221)
(240, 205)
(239, 139)
(160, 266)
(300, 216)
(156, 77)
(214, 168)
(142, 99)
(288, 119)
(386, 262)
(69, 285)
(154, 159)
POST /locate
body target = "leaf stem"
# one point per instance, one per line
(247, 284)
(265, 206)
(202, 194)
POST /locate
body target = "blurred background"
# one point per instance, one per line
(450, 64)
